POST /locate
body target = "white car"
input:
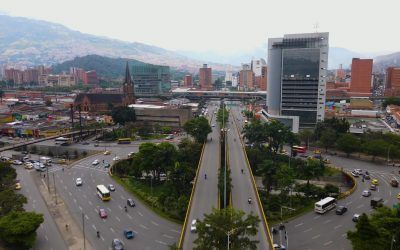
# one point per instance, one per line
(193, 228)
(213, 125)
(366, 193)
(116, 158)
(95, 162)
(78, 181)
(17, 162)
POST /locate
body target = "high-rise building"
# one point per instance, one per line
(188, 81)
(392, 86)
(297, 69)
(263, 82)
(90, 77)
(205, 77)
(256, 66)
(151, 80)
(57, 80)
(246, 78)
(361, 77)
(340, 74)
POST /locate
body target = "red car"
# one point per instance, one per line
(102, 213)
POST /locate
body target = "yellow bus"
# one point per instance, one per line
(124, 141)
(103, 193)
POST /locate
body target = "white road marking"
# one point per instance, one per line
(316, 217)
(140, 214)
(112, 230)
(120, 207)
(360, 206)
(300, 224)
(143, 226)
(118, 219)
(90, 203)
(337, 227)
(46, 238)
(74, 200)
(327, 221)
(167, 236)
(109, 209)
(101, 237)
(308, 230)
(87, 217)
(80, 208)
(95, 210)
(328, 243)
(94, 227)
(154, 223)
(316, 236)
(161, 242)
(130, 217)
(122, 197)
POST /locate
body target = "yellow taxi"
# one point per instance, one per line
(374, 181)
(62, 161)
(18, 186)
(107, 152)
(398, 196)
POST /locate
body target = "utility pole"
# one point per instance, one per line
(83, 229)
(80, 121)
(55, 190)
(224, 133)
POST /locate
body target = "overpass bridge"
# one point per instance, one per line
(232, 95)
(83, 133)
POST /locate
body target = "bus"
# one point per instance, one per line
(325, 205)
(103, 193)
(299, 149)
(124, 141)
(63, 141)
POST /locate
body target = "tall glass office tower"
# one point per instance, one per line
(297, 69)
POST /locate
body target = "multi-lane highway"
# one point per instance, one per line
(205, 196)
(242, 182)
(328, 231)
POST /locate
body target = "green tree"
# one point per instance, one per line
(284, 178)
(375, 148)
(1, 95)
(268, 170)
(255, 132)
(11, 201)
(309, 170)
(212, 231)
(277, 134)
(123, 115)
(391, 100)
(144, 130)
(366, 236)
(199, 128)
(328, 138)
(348, 143)
(222, 114)
(305, 135)
(18, 229)
(7, 176)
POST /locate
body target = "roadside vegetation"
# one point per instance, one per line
(380, 230)
(288, 188)
(162, 175)
(17, 227)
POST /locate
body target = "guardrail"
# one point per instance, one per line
(352, 189)
(266, 226)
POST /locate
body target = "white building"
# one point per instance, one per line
(256, 66)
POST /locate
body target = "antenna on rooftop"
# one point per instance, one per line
(316, 26)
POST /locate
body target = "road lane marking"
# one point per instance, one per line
(101, 237)
(161, 242)
(112, 230)
(337, 227)
(316, 217)
(316, 236)
(74, 200)
(80, 208)
(167, 236)
(118, 219)
(130, 217)
(328, 243)
(154, 223)
(140, 214)
(327, 221)
(47, 239)
(143, 226)
(360, 206)
(94, 227)
(90, 203)
(300, 224)
(109, 209)
(122, 197)
(87, 217)
(70, 194)
(120, 207)
(308, 230)
(348, 203)
(95, 210)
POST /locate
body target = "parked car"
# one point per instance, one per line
(341, 210)
(355, 174)
(107, 152)
(130, 203)
(111, 187)
(78, 181)
(394, 183)
(102, 213)
(28, 165)
(355, 217)
(128, 234)
(193, 228)
(366, 193)
(17, 162)
(116, 158)
(279, 247)
(117, 244)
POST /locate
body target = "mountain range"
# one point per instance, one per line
(28, 42)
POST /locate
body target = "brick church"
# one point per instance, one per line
(97, 103)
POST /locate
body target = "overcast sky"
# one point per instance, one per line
(222, 25)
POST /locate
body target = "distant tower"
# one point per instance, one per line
(128, 87)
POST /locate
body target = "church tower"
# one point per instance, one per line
(128, 88)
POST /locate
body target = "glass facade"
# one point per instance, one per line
(151, 80)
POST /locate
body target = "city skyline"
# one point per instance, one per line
(184, 22)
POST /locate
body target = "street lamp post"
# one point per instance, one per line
(388, 153)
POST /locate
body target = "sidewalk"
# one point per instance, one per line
(72, 234)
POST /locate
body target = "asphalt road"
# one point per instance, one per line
(242, 183)
(205, 196)
(328, 231)
(48, 237)
(152, 232)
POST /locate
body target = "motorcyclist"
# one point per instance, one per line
(126, 209)
(249, 200)
(205, 176)
(98, 234)
(242, 170)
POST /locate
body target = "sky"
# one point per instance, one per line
(222, 25)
